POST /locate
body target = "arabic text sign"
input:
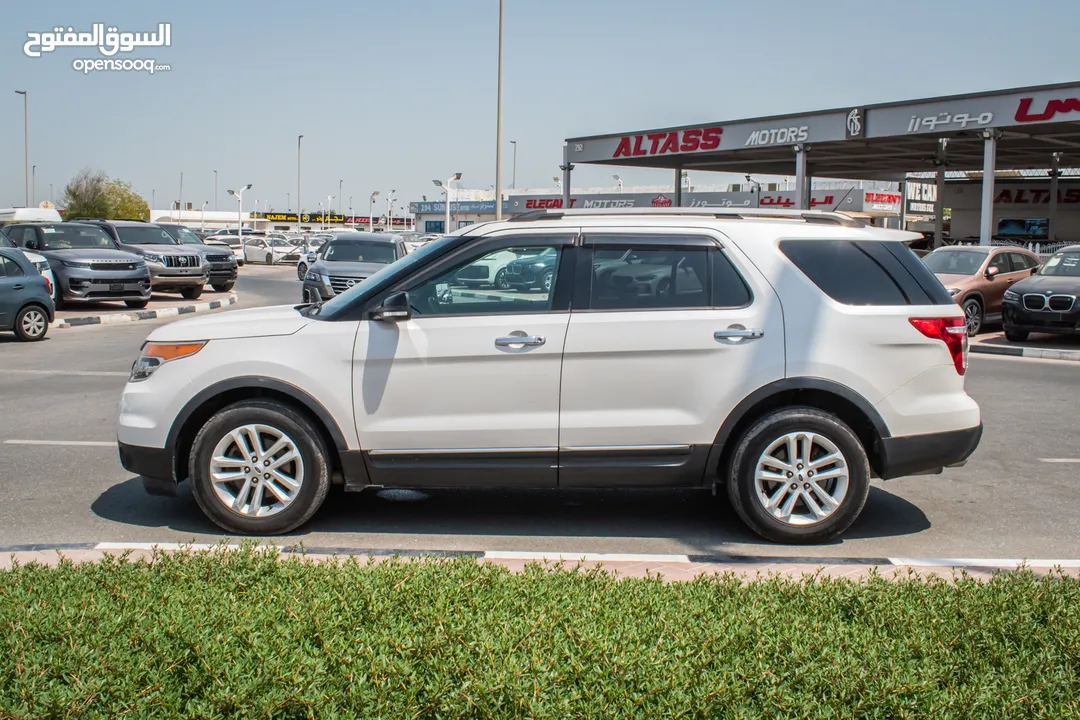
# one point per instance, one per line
(108, 40)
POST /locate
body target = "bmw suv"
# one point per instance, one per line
(783, 358)
(173, 267)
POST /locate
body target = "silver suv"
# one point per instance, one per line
(173, 268)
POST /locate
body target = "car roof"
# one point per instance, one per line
(366, 237)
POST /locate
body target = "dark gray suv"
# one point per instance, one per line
(347, 260)
(173, 268)
(221, 261)
(86, 263)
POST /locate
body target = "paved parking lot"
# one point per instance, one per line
(62, 483)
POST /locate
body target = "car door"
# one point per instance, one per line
(14, 290)
(669, 332)
(466, 391)
(996, 286)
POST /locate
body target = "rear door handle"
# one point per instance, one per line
(738, 333)
(520, 340)
(16, 287)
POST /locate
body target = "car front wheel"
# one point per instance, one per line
(799, 475)
(500, 280)
(301, 270)
(191, 293)
(259, 468)
(1016, 335)
(31, 323)
(973, 316)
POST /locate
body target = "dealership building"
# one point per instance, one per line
(1017, 129)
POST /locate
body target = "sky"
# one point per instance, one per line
(393, 94)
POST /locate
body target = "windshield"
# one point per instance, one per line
(955, 262)
(185, 236)
(403, 265)
(1064, 264)
(67, 237)
(352, 251)
(278, 242)
(143, 235)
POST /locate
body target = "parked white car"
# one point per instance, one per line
(270, 250)
(490, 270)
(781, 357)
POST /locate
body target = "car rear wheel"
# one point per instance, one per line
(973, 316)
(136, 304)
(259, 468)
(191, 293)
(223, 287)
(1016, 335)
(269, 258)
(31, 323)
(301, 270)
(799, 475)
(545, 283)
(500, 280)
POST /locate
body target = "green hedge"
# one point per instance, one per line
(243, 634)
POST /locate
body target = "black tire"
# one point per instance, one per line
(136, 304)
(500, 280)
(191, 293)
(309, 443)
(973, 316)
(223, 287)
(301, 270)
(1016, 335)
(31, 323)
(753, 444)
(269, 258)
(546, 280)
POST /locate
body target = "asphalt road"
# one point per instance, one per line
(1008, 502)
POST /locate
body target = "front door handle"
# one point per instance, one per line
(519, 340)
(738, 333)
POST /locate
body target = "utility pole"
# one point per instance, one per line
(26, 140)
(498, 124)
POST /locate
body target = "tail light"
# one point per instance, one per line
(48, 286)
(950, 330)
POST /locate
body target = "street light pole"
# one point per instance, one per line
(215, 191)
(50, 194)
(498, 124)
(371, 212)
(239, 195)
(618, 180)
(33, 181)
(288, 201)
(180, 209)
(390, 210)
(26, 140)
(513, 177)
(299, 203)
(153, 197)
(202, 225)
(340, 196)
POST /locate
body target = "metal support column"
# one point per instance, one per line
(566, 168)
(1055, 174)
(986, 211)
(939, 194)
(903, 204)
(802, 182)
(678, 187)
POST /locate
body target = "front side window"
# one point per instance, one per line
(530, 284)
(143, 235)
(1001, 262)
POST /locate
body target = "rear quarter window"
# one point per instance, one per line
(866, 272)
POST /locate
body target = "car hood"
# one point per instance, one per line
(165, 249)
(255, 322)
(347, 269)
(952, 280)
(1053, 284)
(91, 255)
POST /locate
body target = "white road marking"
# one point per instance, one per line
(82, 443)
(1060, 460)
(585, 556)
(152, 545)
(985, 562)
(80, 373)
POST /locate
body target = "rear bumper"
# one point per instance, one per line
(153, 465)
(916, 454)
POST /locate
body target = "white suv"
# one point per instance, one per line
(787, 357)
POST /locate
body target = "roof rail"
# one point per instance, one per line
(810, 216)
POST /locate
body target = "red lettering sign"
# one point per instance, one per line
(882, 198)
(668, 143)
(1053, 107)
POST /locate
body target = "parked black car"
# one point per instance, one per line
(1046, 302)
(532, 271)
(221, 261)
(26, 308)
(86, 263)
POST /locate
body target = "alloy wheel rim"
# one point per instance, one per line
(801, 478)
(256, 470)
(33, 323)
(971, 314)
(547, 282)
(301, 271)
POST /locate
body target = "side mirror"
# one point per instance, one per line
(991, 272)
(394, 308)
(32, 244)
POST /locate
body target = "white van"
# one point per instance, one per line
(15, 215)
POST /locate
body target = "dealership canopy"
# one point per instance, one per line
(1007, 129)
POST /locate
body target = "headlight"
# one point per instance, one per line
(154, 355)
(76, 264)
(151, 258)
(315, 277)
(954, 292)
(42, 266)
(1010, 295)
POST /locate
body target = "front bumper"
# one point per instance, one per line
(917, 454)
(153, 465)
(312, 288)
(91, 286)
(222, 272)
(1015, 317)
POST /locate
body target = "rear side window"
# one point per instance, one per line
(866, 272)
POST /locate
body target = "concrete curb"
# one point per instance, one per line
(135, 316)
(1026, 352)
